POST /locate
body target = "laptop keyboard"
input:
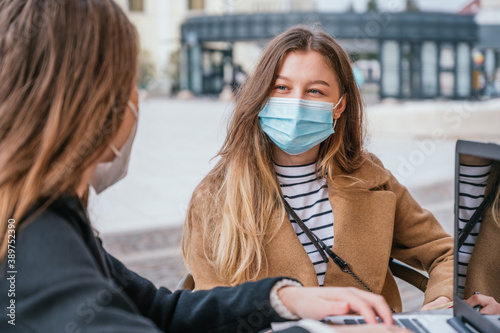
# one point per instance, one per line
(413, 324)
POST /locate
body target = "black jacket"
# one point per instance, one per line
(64, 281)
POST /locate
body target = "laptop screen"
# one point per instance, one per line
(477, 230)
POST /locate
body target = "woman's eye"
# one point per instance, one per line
(282, 88)
(315, 92)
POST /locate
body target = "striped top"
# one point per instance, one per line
(309, 199)
(473, 180)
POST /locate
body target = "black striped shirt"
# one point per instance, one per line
(309, 199)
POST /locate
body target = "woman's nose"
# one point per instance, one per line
(298, 92)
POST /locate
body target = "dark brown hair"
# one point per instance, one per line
(67, 68)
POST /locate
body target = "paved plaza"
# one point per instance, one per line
(140, 218)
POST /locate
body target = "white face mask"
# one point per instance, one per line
(107, 174)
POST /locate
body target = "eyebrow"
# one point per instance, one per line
(311, 82)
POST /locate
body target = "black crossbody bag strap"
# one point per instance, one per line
(462, 236)
(306, 230)
(321, 247)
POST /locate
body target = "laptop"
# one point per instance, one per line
(471, 184)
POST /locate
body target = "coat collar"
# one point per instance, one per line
(369, 176)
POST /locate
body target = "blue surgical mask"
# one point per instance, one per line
(297, 125)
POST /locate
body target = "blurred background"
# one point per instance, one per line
(429, 72)
(402, 48)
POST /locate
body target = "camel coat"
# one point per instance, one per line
(484, 265)
(375, 218)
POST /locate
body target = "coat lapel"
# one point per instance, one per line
(362, 236)
(363, 226)
(484, 268)
(286, 256)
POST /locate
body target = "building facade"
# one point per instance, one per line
(206, 45)
(421, 55)
(157, 23)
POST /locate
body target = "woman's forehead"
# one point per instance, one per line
(306, 65)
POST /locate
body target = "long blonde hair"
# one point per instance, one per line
(240, 196)
(67, 70)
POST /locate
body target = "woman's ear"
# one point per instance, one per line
(341, 107)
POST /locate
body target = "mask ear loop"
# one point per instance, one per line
(115, 151)
(133, 109)
(340, 100)
(335, 120)
(136, 114)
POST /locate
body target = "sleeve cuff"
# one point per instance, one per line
(276, 303)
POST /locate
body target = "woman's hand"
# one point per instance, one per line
(487, 303)
(438, 301)
(318, 303)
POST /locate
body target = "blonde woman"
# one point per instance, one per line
(68, 116)
(296, 139)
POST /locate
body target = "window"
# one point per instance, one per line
(390, 68)
(463, 79)
(136, 5)
(429, 68)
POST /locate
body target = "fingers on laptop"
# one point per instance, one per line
(310, 303)
(367, 304)
(487, 303)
